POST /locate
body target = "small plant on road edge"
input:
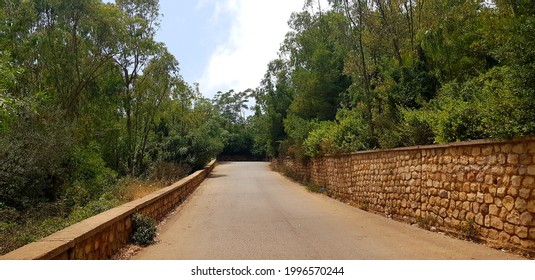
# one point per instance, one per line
(469, 230)
(426, 222)
(315, 188)
(144, 230)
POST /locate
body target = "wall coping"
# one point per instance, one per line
(470, 143)
(59, 242)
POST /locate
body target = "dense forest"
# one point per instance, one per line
(372, 74)
(91, 105)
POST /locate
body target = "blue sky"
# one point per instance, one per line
(225, 44)
(191, 31)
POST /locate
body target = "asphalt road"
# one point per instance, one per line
(246, 211)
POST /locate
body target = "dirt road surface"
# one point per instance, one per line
(246, 211)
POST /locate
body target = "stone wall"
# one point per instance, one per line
(101, 236)
(480, 189)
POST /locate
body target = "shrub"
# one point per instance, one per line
(168, 172)
(144, 230)
(469, 230)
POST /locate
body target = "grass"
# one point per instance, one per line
(18, 229)
(426, 222)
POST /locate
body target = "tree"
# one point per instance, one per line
(136, 47)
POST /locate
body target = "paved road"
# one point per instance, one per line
(246, 211)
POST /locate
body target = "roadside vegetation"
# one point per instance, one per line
(373, 74)
(94, 111)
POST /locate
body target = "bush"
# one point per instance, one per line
(33, 163)
(469, 230)
(91, 176)
(168, 172)
(144, 230)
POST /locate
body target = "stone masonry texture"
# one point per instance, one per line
(484, 186)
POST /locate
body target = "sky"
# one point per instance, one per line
(224, 44)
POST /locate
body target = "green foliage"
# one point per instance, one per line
(426, 222)
(144, 230)
(429, 72)
(469, 230)
(91, 177)
(33, 160)
(88, 96)
(315, 188)
(347, 134)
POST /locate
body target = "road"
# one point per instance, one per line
(246, 211)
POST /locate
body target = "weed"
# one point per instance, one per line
(144, 230)
(469, 230)
(315, 188)
(426, 222)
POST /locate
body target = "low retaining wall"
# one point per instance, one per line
(484, 186)
(101, 236)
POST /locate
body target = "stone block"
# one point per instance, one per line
(501, 159)
(487, 221)
(480, 198)
(494, 210)
(503, 213)
(509, 228)
(471, 197)
(475, 207)
(522, 232)
(501, 192)
(512, 159)
(497, 170)
(504, 237)
(496, 222)
(476, 151)
(520, 149)
(516, 181)
(466, 206)
(508, 202)
(532, 233)
(480, 219)
(524, 193)
(493, 234)
(484, 209)
(512, 191)
(525, 159)
(455, 214)
(87, 248)
(531, 170)
(470, 216)
(443, 212)
(498, 202)
(531, 148)
(513, 218)
(510, 170)
(528, 244)
(528, 182)
(506, 148)
(531, 205)
(487, 198)
(520, 204)
(526, 219)
(488, 179)
(514, 240)
(486, 151)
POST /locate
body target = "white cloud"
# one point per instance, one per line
(257, 30)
